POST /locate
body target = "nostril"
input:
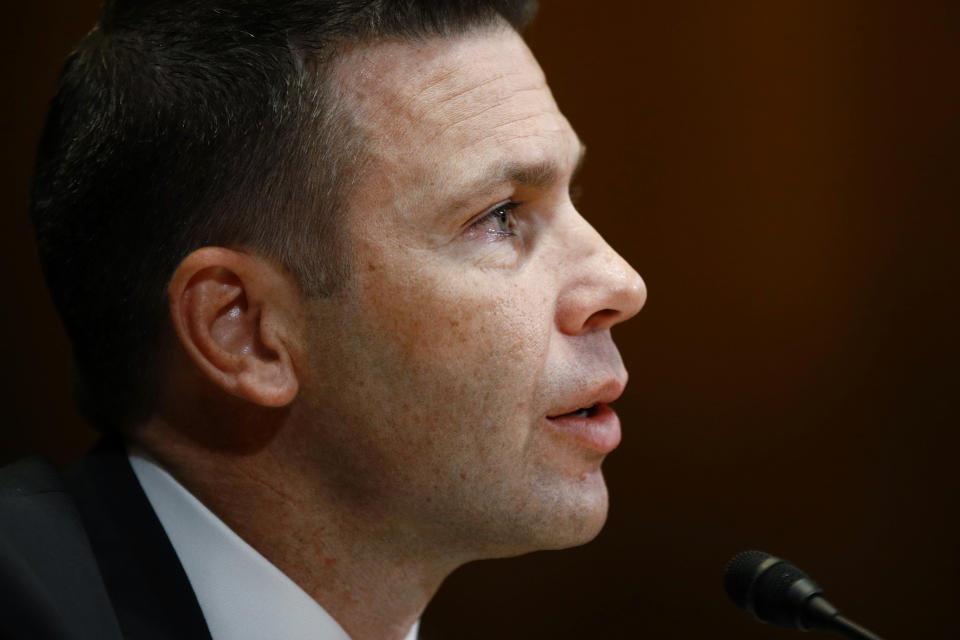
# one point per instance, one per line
(604, 317)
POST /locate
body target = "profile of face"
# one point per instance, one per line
(457, 385)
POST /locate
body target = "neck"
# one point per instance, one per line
(369, 571)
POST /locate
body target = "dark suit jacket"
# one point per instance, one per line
(83, 556)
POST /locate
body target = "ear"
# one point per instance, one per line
(232, 312)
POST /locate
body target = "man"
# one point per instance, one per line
(329, 295)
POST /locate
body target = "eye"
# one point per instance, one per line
(499, 220)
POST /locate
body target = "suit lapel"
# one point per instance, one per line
(152, 597)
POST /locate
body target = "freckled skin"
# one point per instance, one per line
(432, 373)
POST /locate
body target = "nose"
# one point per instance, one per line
(600, 288)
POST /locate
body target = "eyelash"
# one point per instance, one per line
(502, 211)
(501, 214)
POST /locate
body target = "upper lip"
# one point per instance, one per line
(604, 392)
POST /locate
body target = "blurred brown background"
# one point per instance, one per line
(784, 175)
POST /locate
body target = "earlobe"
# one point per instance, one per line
(228, 312)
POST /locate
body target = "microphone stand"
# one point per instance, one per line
(850, 629)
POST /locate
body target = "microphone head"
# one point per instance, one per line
(770, 589)
(740, 574)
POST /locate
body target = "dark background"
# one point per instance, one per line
(784, 175)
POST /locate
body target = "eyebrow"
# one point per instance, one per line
(537, 175)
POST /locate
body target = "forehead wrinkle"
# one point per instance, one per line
(428, 75)
(470, 116)
(499, 139)
(531, 116)
(506, 93)
(360, 76)
(433, 97)
(439, 78)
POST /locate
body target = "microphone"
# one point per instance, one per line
(774, 591)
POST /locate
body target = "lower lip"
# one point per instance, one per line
(600, 432)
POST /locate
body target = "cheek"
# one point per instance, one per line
(469, 342)
(431, 312)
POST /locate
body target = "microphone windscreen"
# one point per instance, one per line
(771, 589)
(739, 574)
(774, 591)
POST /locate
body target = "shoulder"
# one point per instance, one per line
(29, 477)
(47, 571)
(34, 504)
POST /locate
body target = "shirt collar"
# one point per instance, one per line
(243, 596)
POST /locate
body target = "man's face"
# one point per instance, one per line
(445, 377)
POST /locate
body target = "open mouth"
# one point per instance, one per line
(582, 412)
(595, 427)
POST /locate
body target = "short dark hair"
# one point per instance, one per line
(182, 124)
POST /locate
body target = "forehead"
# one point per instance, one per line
(439, 112)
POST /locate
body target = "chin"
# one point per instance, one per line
(586, 509)
(565, 519)
(581, 528)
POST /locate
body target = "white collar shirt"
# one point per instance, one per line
(243, 596)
